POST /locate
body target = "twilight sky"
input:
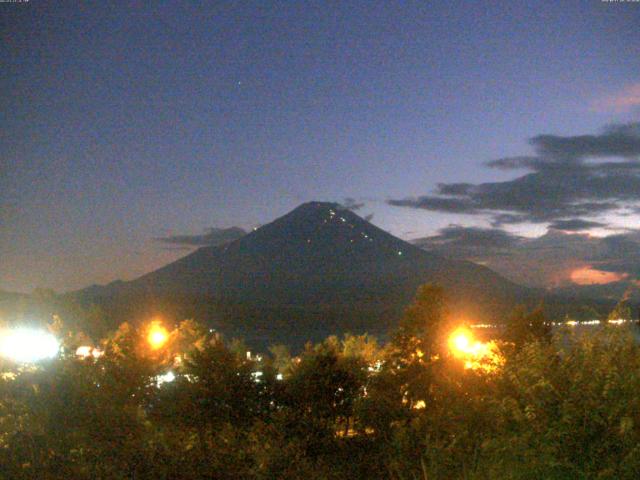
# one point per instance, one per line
(125, 124)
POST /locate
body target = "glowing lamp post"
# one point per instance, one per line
(157, 336)
(27, 345)
(460, 341)
(474, 353)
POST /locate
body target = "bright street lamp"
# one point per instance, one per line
(157, 336)
(25, 345)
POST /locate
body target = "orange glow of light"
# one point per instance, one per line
(157, 336)
(592, 276)
(476, 355)
(460, 341)
(419, 405)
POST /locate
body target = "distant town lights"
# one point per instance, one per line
(28, 345)
(86, 351)
(165, 378)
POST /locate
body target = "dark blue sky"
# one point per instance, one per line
(121, 124)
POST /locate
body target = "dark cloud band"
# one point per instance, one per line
(562, 184)
(575, 225)
(212, 237)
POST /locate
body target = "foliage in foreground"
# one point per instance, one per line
(555, 407)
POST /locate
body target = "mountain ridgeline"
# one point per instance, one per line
(316, 271)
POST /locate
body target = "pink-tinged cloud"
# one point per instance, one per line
(592, 276)
(623, 101)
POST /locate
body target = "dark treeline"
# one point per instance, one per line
(530, 405)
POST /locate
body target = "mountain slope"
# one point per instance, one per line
(316, 271)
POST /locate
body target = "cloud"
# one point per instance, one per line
(592, 276)
(575, 225)
(556, 259)
(622, 101)
(562, 181)
(451, 205)
(615, 141)
(351, 204)
(459, 237)
(454, 188)
(514, 163)
(211, 237)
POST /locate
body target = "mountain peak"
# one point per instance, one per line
(319, 269)
(325, 231)
(315, 209)
(316, 205)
